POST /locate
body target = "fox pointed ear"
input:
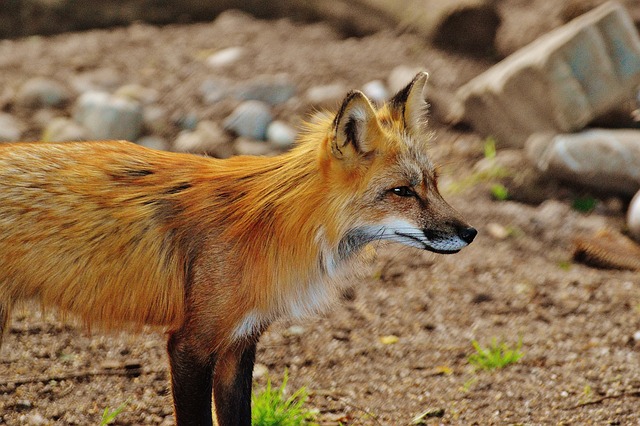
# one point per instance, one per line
(355, 127)
(410, 103)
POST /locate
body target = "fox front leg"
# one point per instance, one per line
(232, 380)
(191, 383)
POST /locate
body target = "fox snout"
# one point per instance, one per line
(449, 241)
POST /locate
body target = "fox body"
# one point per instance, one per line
(215, 250)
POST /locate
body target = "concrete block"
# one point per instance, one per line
(558, 83)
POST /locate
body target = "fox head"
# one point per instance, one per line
(376, 166)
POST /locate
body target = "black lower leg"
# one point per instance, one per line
(232, 386)
(191, 380)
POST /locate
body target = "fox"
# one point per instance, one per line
(214, 251)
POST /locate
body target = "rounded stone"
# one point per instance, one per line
(250, 119)
(109, 117)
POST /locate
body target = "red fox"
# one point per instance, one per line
(216, 250)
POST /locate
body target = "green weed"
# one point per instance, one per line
(499, 192)
(497, 355)
(109, 416)
(584, 204)
(272, 408)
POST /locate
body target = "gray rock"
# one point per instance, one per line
(153, 142)
(188, 121)
(560, 82)
(63, 129)
(213, 90)
(42, 92)
(272, 90)
(326, 96)
(207, 138)
(281, 135)
(109, 117)
(250, 119)
(10, 128)
(633, 217)
(376, 91)
(607, 160)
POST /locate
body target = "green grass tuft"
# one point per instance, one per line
(497, 355)
(584, 204)
(272, 408)
(499, 192)
(109, 416)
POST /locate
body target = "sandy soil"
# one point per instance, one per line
(581, 364)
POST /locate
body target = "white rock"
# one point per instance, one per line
(225, 57)
(636, 336)
(604, 159)
(62, 129)
(10, 128)
(109, 117)
(633, 217)
(281, 135)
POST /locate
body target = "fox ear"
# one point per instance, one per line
(410, 104)
(355, 126)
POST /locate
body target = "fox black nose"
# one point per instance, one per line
(467, 234)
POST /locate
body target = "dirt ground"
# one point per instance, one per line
(581, 364)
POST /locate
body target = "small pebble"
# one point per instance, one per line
(633, 217)
(10, 128)
(109, 117)
(497, 231)
(225, 57)
(153, 142)
(136, 92)
(250, 119)
(244, 146)
(155, 119)
(636, 336)
(272, 90)
(41, 92)
(376, 91)
(260, 370)
(208, 138)
(295, 330)
(63, 129)
(213, 90)
(326, 96)
(281, 134)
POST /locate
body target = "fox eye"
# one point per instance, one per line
(403, 191)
